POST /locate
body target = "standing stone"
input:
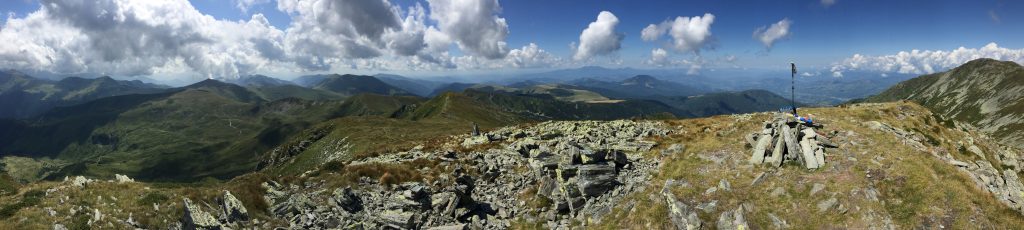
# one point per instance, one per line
(764, 142)
(792, 147)
(777, 152)
(808, 146)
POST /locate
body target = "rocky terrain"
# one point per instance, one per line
(894, 166)
(579, 169)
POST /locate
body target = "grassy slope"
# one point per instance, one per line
(985, 93)
(915, 189)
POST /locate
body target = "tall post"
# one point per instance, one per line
(792, 99)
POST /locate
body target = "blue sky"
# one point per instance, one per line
(821, 34)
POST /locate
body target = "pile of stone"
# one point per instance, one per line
(784, 139)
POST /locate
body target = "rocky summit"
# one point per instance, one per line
(578, 171)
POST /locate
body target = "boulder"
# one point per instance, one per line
(232, 208)
(345, 199)
(827, 204)
(680, 214)
(79, 181)
(122, 179)
(730, 220)
(196, 218)
(397, 219)
(595, 179)
(593, 157)
(573, 198)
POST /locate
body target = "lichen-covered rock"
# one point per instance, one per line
(233, 209)
(196, 218)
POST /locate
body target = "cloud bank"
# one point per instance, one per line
(171, 37)
(924, 62)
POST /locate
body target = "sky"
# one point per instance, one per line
(288, 38)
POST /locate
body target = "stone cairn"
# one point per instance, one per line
(785, 139)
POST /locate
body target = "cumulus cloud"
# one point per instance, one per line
(828, 3)
(172, 38)
(659, 57)
(600, 37)
(135, 38)
(245, 5)
(768, 35)
(474, 24)
(925, 62)
(689, 34)
(531, 56)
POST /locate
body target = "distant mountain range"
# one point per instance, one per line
(23, 96)
(985, 93)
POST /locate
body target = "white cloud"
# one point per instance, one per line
(659, 57)
(136, 38)
(768, 35)
(994, 16)
(828, 3)
(651, 32)
(925, 62)
(172, 38)
(531, 56)
(599, 38)
(474, 24)
(245, 5)
(689, 34)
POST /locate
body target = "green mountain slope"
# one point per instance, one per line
(986, 93)
(24, 96)
(349, 85)
(208, 129)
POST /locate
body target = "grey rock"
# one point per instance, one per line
(673, 149)
(827, 204)
(345, 199)
(778, 223)
(760, 177)
(680, 214)
(122, 179)
(596, 179)
(764, 142)
(724, 185)
(775, 160)
(730, 220)
(449, 227)
(397, 219)
(196, 218)
(232, 208)
(817, 187)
